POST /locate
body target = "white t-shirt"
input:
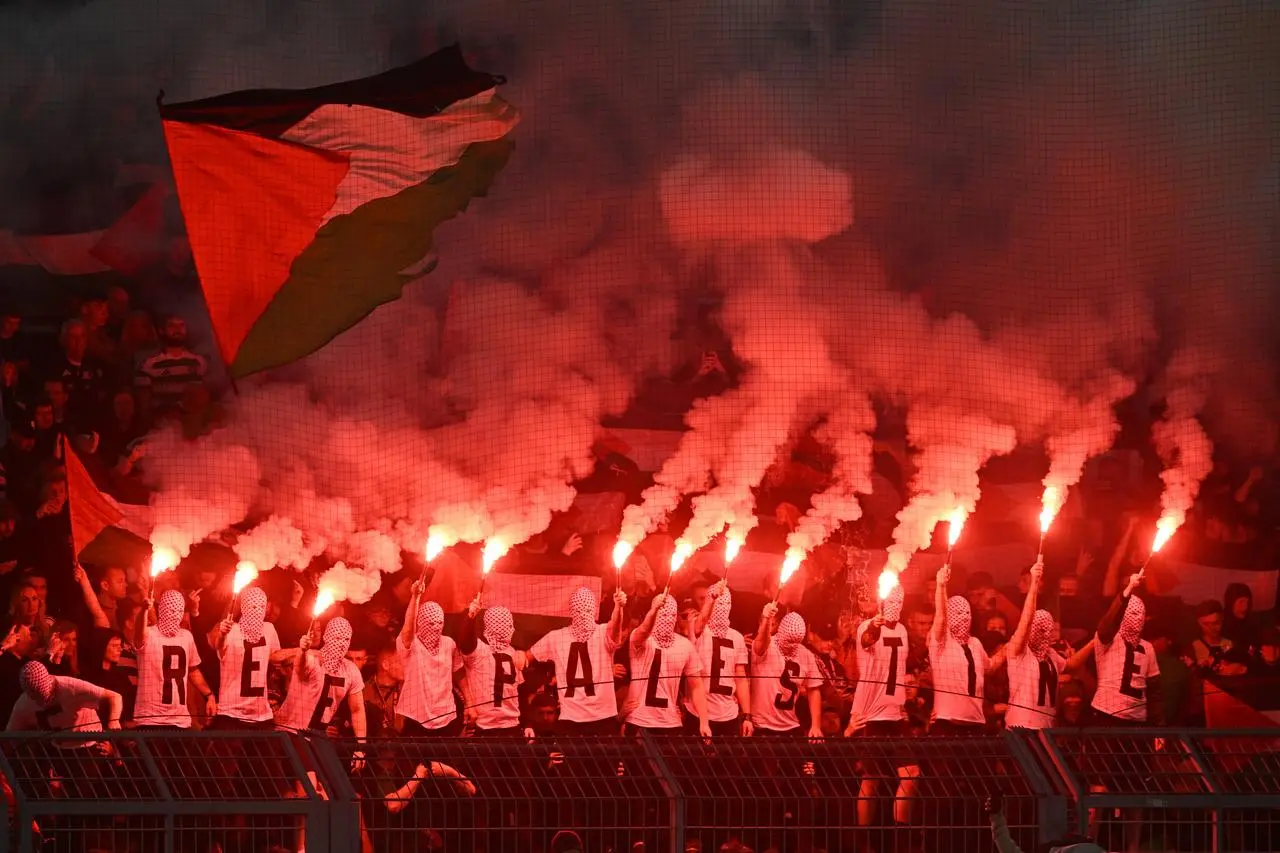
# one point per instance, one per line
(312, 702)
(1033, 690)
(653, 697)
(720, 657)
(1123, 670)
(584, 673)
(165, 665)
(242, 683)
(491, 687)
(776, 686)
(959, 679)
(881, 693)
(74, 707)
(427, 695)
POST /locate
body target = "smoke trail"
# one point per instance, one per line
(951, 448)
(848, 433)
(351, 583)
(1180, 440)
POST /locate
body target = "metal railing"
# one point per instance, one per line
(178, 792)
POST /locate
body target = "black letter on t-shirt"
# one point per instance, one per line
(248, 667)
(43, 715)
(325, 702)
(1047, 696)
(1130, 670)
(504, 673)
(719, 644)
(790, 672)
(651, 697)
(173, 671)
(891, 680)
(579, 659)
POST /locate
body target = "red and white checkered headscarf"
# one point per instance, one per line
(959, 618)
(430, 625)
(36, 682)
(583, 609)
(791, 631)
(499, 627)
(664, 623)
(1135, 617)
(720, 610)
(169, 611)
(253, 613)
(337, 642)
(1040, 635)
(891, 609)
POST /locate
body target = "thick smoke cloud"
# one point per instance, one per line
(1052, 207)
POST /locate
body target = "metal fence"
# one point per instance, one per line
(167, 791)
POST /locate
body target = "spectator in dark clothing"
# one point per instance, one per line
(1211, 652)
(13, 344)
(122, 426)
(82, 376)
(16, 649)
(163, 378)
(1238, 624)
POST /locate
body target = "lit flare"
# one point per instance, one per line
(1051, 504)
(1165, 528)
(955, 524)
(888, 580)
(789, 567)
(324, 600)
(621, 553)
(162, 560)
(436, 543)
(732, 547)
(682, 553)
(246, 573)
(494, 550)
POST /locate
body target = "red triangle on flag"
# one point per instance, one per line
(91, 511)
(243, 251)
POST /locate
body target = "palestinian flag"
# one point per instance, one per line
(306, 209)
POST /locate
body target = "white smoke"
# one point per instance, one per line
(848, 433)
(1179, 437)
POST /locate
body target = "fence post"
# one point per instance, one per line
(675, 794)
(342, 808)
(1052, 815)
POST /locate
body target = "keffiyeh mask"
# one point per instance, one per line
(1040, 634)
(498, 628)
(430, 625)
(790, 634)
(959, 618)
(253, 613)
(337, 642)
(36, 682)
(1135, 616)
(169, 610)
(720, 610)
(664, 623)
(582, 614)
(892, 607)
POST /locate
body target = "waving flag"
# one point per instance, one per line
(306, 209)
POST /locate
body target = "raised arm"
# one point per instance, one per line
(869, 636)
(91, 602)
(467, 632)
(938, 631)
(1110, 623)
(410, 628)
(618, 619)
(1019, 641)
(218, 635)
(645, 628)
(704, 615)
(764, 633)
(1111, 580)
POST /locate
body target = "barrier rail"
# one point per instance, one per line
(177, 792)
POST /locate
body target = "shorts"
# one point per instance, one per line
(1121, 765)
(222, 723)
(516, 731)
(608, 727)
(955, 728)
(894, 755)
(719, 728)
(413, 728)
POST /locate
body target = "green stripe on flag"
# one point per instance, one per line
(356, 261)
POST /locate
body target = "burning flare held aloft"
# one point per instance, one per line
(732, 547)
(621, 553)
(436, 543)
(1165, 528)
(494, 550)
(325, 599)
(246, 573)
(885, 585)
(1051, 504)
(955, 525)
(162, 560)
